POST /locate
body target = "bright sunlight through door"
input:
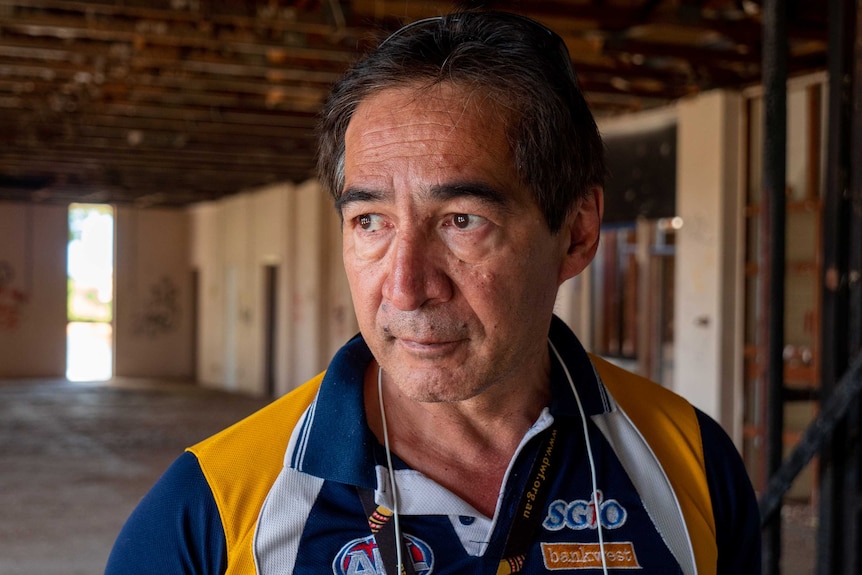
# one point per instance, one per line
(89, 334)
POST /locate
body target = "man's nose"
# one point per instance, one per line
(416, 274)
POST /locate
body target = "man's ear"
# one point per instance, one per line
(581, 229)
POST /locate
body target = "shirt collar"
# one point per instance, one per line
(593, 395)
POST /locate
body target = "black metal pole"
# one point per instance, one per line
(853, 476)
(841, 401)
(831, 542)
(775, 48)
(854, 263)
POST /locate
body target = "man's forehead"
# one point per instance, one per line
(396, 133)
(429, 106)
(441, 142)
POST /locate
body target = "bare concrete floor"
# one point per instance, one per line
(76, 458)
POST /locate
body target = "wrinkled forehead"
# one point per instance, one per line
(461, 107)
(444, 110)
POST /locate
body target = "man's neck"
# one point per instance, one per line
(465, 446)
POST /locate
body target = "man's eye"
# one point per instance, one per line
(369, 222)
(466, 221)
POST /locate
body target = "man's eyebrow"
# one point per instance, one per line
(475, 190)
(442, 192)
(351, 195)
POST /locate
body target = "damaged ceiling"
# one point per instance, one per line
(169, 102)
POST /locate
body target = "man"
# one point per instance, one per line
(465, 430)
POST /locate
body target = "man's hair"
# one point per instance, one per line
(519, 64)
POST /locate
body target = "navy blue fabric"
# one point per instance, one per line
(175, 529)
(734, 504)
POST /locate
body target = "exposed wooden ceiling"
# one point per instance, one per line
(168, 102)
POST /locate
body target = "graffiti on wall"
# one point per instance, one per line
(11, 300)
(160, 314)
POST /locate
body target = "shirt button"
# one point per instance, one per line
(466, 519)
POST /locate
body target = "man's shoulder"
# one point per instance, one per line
(671, 427)
(622, 384)
(666, 420)
(241, 463)
(268, 429)
(246, 457)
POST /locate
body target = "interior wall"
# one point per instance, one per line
(295, 230)
(208, 264)
(153, 307)
(33, 244)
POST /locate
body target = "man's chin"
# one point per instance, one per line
(434, 385)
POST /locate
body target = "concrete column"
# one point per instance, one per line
(709, 257)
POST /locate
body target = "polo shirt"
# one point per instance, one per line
(661, 488)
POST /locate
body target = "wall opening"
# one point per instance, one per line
(270, 298)
(90, 295)
(195, 309)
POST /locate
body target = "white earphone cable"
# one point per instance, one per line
(395, 514)
(589, 456)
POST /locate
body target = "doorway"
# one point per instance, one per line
(90, 293)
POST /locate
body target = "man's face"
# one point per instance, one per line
(452, 268)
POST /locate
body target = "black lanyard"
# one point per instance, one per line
(383, 531)
(529, 512)
(527, 518)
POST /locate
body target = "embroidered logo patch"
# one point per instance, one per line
(559, 556)
(362, 557)
(581, 514)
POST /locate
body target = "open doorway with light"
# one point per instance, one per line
(90, 280)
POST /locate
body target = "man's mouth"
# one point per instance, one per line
(425, 334)
(429, 349)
